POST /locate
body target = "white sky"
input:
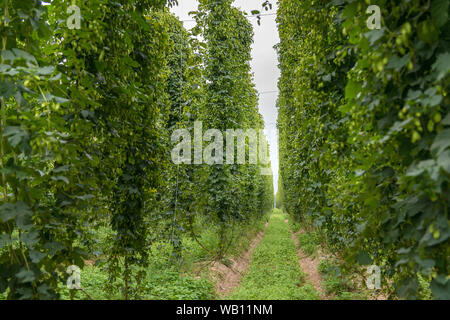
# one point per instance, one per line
(264, 65)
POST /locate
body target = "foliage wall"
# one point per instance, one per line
(364, 120)
(86, 121)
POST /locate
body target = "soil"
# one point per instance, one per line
(309, 266)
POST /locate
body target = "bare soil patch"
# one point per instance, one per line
(89, 262)
(309, 266)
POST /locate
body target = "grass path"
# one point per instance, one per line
(274, 272)
(310, 266)
(229, 276)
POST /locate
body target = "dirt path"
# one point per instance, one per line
(309, 266)
(226, 278)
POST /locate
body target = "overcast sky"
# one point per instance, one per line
(264, 64)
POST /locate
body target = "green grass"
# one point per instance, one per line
(93, 280)
(338, 283)
(170, 285)
(424, 287)
(294, 224)
(309, 242)
(166, 279)
(274, 273)
(163, 282)
(209, 236)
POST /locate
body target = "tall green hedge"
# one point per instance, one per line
(86, 118)
(364, 120)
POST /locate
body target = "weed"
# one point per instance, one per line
(274, 272)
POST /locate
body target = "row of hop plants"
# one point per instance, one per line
(364, 121)
(86, 121)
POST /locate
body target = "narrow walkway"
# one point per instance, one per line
(310, 267)
(274, 272)
(228, 277)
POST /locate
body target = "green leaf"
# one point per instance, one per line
(54, 247)
(442, 66)
(61, 169)
(432, 101)
(18, 211)
(363, 258)
(7, 212)
(443, 160)
(408, 288)
(439, 12)
(30, 238)
(427, 32)
(4, 67)
(8, 55)
(7, 89)
(5, 240)
(359, 172)
(36, 256)
(425, 263)
(345, 108)
(416, 169)
(374, 35)
(396, 63)
(50, 97)
(85, 197)
(25, 276)
(61, 178)
(404, 250)
(440, 287)
(45, 70)
(20, 54)
(352, 89)
(399, 126)
(16, 135)
(441, 142)
(446, 120)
